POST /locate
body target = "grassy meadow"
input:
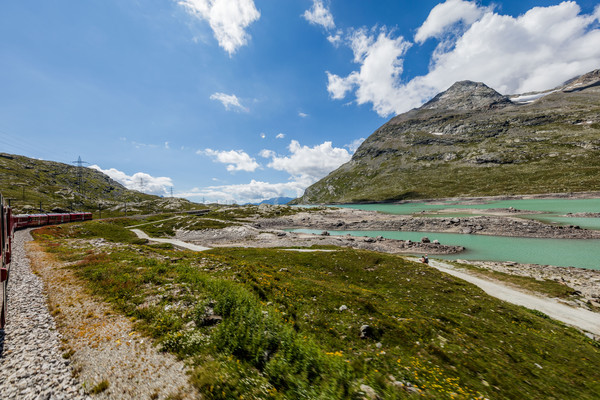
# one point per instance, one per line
(277, 324)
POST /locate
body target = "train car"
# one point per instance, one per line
(37, 220)
(81, 216)
(8, 224)
(20, 221)
(58, 218)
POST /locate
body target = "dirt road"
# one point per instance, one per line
(174, 242)
(578, 317)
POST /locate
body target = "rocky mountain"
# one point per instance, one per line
(31, 184)
(472, 141)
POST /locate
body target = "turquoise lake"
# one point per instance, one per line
(559, 252)
(553, 206)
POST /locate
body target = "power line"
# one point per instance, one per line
(80, 163)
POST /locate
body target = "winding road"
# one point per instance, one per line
(586, 320)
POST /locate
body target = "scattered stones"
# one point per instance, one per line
(369, 392)
(32, 362)
(343, 308)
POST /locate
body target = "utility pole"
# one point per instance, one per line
(80, 172)
(171, 191)
(40, 206)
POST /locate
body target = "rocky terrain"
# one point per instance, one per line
(249, 236)
(351, 219)
(472, 141)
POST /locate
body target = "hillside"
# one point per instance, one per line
(27, 182)
(472, 141)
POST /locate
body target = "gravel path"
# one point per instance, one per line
(30, 357)
(586, 320)
(174, 242)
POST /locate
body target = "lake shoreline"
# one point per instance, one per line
(501, 222)
(478, 199)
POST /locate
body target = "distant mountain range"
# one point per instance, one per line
(472, 141)
(275, 200)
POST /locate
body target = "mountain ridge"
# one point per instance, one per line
(471, 141)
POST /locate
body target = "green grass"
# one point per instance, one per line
(282, 334)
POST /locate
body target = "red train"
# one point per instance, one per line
(8, 224)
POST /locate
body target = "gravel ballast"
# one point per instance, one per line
(31, 358)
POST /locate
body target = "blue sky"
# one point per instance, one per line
(241, 100)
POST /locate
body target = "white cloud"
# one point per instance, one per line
(355, 145)
(237, 160)
(280, 136)
(319, 15)
(227, 18)
(535, 51)
(309, 163)
(230, 101)
(267, 153)
(140, 181)
(335, 39)
(446, 15)
(306, 165)
(302, 115)
(167, 145)
(254, 191)
(377, 81)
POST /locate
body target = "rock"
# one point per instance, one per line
(436, 242)
(210, 320)
(369, 240)
(324, 233)
(367, 332)
(369, 392)
(425, 239)
(343, 307)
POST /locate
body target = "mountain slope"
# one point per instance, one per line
(27, 182)
(472, 141)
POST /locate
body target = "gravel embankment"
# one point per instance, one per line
(30, 352)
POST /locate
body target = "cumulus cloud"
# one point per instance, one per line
(280, 136)
(535, 51)
(308, 163)
(446, 15)
(252, 192)
(377, 81)
(319, 15)
(140, 181)
(228, 19)
(302, 115)
(230, 101)
(237, 160)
